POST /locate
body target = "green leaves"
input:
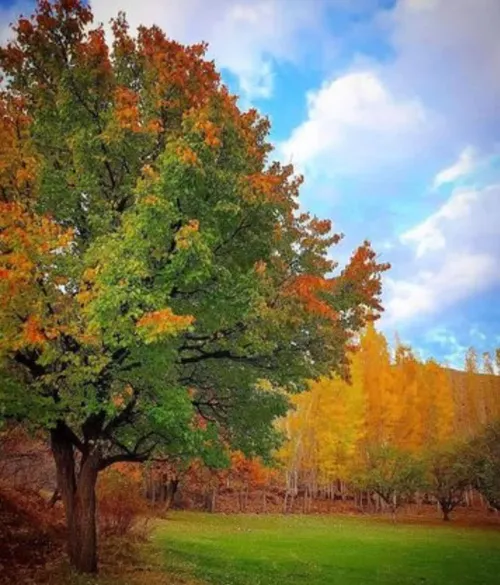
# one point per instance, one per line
(187, 277)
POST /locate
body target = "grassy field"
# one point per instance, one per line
(288, 550)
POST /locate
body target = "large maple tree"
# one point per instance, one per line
(154, 266)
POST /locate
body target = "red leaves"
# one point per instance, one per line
(24, 28)
(94, 55)
(363, 273)
(307, 289)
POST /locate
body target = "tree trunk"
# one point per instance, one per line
(171, 490)
(79, 499)
(445, 509)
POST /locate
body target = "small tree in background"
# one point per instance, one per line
(484, 454)
(392, 473)
(448, 476)
(153, 262)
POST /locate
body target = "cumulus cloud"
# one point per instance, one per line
(430, 291)
(448, 53)
(431, 235)
(246, 37)
(456, 254)
(438, 90)
(354, 123)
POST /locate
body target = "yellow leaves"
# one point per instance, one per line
(151, 200)
(163, 323)
(149, 172)
(402, 402)
(87, 291)
(184, 236)
(33, 306)
(28, 240)
(260, 267)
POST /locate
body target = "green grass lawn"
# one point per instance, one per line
(329, 550)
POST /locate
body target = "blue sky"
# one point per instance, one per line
(390, 108)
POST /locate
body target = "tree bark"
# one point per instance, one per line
(170, 491)
(79, 499)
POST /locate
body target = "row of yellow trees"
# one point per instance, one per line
(395, 400)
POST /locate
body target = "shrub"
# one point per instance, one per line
(121, 505)
(484, 453)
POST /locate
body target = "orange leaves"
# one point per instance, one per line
(321, 227)
(32, 303)
(363, 273)
(178, 70)
(94, 55)
(18, 164)
(127, 109)
(164, 322)
(128, 113)
(187, 155)
(307, 289)
(27, 239)
(33, 334)
(263, 187)
(184, 235)
(207, 128)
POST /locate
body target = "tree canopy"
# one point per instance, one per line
(159, 286)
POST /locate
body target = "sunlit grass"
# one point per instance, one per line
(274, 550)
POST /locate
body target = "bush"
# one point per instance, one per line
(393, 474)
(484, 452)
(122, 508)
(448, 476)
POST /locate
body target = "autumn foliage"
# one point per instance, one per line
(122, 506)
(154, 265)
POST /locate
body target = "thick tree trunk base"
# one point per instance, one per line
(78, 493)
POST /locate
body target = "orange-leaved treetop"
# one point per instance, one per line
(154, 266)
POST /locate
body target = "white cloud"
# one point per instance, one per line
(457, 278)
(354, 123)
(246, 37)
(456, 254)
(448, 53)
(465, 165)
(430, 235)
